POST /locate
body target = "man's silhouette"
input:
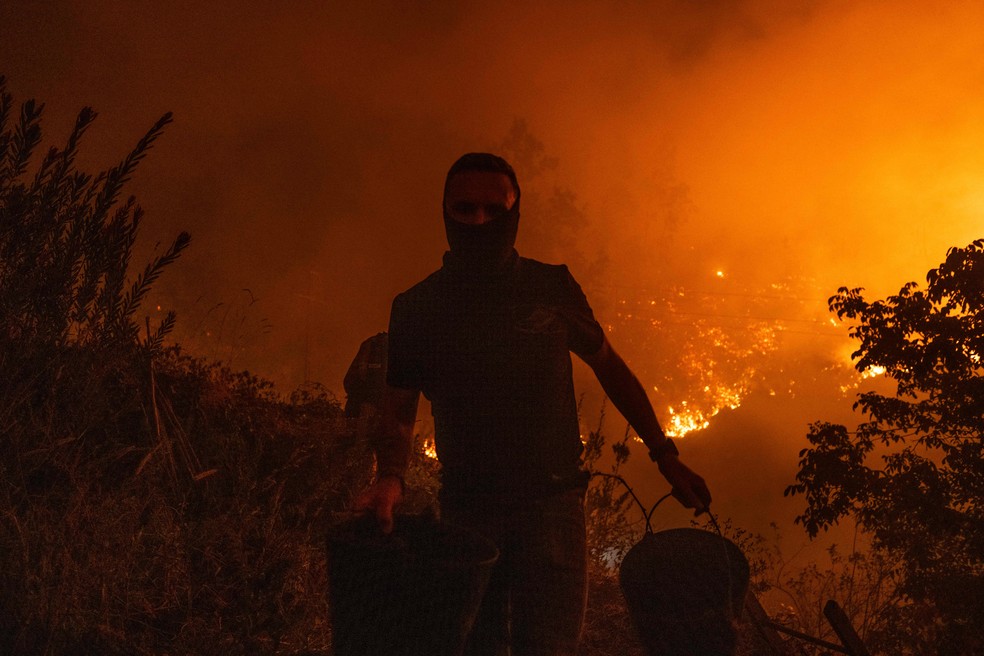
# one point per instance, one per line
(487, 338)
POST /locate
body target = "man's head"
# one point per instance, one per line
(481, 209)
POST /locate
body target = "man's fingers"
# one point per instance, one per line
(382, 508)
(380, 501)
(384, 514)
(692, 499)
(705, 495)
(361, 503)
(686, 499)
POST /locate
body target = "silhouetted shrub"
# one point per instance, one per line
(150, 502)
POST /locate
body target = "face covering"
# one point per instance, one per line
(485, 245)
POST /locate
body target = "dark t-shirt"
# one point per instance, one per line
(493, 357)
(365, 380)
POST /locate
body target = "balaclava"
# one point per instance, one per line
(489, 244)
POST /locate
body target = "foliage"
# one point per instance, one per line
(150, 502)
(913, 474)
(861, 582)
(558, 222)
(611, 532)
(65, 247)
(66, 241)
(608, 629)
(135, 551)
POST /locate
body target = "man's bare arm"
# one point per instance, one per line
(394, 443)
(393, 446)
(630, 398)
(626, 393)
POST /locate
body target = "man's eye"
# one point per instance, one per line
(496, 210)
(464, 208)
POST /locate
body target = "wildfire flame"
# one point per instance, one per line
(707, 350)
(686, 419)
(430, 449)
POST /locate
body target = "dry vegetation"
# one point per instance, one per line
(150, 502)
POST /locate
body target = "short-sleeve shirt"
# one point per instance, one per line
(493, 358)
(365, 380)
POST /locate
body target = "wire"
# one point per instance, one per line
(631, 491)
(649, 527)
(647, 515)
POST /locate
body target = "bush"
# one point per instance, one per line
(150, 502)
(912, 473)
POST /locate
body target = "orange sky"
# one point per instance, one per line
(813, 144)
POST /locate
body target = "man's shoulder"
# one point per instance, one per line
(536, 269)
(552, 279)
(426, 288)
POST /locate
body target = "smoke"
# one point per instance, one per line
(792, 147)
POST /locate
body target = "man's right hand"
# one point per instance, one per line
(380, 499)
(688, 487)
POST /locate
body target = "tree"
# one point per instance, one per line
(557, 224)
(912, 474)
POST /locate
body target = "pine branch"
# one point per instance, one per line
(6, 137)
(120, 174)
(153, 271)
(156, 341)
(26, 137)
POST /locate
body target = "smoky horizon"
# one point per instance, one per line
(711, 173)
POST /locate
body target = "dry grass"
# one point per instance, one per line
(132, 555)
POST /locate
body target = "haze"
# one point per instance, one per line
(753, 156)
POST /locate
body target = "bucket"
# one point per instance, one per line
(415, 591)
(685, 589)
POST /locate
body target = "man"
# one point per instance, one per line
(487, 338)
(365, 380)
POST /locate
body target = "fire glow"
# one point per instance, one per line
(685, 419)
(703, 349)
(872, 372)
(430, 448)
